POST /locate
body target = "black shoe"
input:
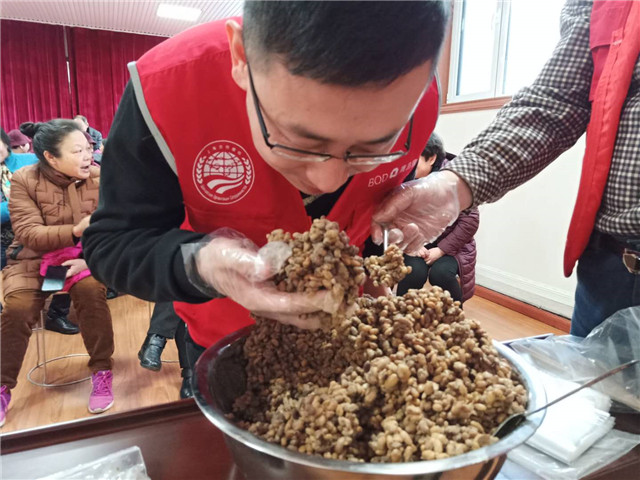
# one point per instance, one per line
(111, 293)
(151, 351)
(185, 389)
(61, 324)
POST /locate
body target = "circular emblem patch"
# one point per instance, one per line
(223, 172)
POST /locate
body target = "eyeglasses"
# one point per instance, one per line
(307, 156)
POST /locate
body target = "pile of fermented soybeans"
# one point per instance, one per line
(399, 379)
(389, 269)
(321, 259)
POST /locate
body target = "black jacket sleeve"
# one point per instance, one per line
(133, 242)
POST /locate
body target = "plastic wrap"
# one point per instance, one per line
(417, 212)
(608, 449)
(613, 342)
(125, 464)
(227, 254)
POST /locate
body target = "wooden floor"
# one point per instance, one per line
(135, 387)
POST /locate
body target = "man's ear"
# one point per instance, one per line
(238, 56)
(431, 160)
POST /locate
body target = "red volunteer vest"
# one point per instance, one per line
(200, 113)
(615, 45)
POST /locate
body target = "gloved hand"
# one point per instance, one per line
(235, 267)
(417, 212)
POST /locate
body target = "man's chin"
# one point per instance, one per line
(312, 191)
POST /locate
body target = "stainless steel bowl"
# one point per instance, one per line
(220, 378)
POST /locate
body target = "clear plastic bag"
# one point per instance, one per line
(608, 449)
(125, 464)
(613, 342)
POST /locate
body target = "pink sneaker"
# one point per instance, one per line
(5, 398)
(101, 398)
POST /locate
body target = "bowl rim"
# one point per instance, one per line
(536, 397)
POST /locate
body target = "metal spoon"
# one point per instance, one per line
(385, 245)
(514, 421)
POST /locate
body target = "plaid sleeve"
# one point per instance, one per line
(541, 121)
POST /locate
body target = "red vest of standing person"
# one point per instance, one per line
(198, 116)
(614, 40)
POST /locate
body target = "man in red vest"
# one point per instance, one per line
(298, 110)
(592, 84)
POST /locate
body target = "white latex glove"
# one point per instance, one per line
(417, 212)
(234, 266)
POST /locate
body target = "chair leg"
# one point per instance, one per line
(41, 351)
(42, 360)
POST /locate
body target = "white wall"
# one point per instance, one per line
(521, 237)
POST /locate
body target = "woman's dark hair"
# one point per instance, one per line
(349, 43)
(5, 139)
(435, 147)
(48, 136)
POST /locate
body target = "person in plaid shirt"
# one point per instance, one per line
(542, 121)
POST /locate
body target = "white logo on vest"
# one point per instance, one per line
(223, 172)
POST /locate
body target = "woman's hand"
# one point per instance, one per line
(433, 254)
(81, 226)
(75, 265)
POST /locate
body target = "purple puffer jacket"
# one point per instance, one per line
(457, 241)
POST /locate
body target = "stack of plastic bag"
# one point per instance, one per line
(571, 426)
(126, 464)
(577, 437)
(528, 463)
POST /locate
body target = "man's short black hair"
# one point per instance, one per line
(435, 147)
(349, 43)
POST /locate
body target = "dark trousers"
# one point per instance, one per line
(193, 350)
(442, 273)
(22, 310)
(164, 320)
(59, 306)
(604, 286)
(181, 344)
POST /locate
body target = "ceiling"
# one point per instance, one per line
(134, 16)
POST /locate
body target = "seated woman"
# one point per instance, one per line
(51, 203)
(10, 161)
(453, 254)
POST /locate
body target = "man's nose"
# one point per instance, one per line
(330, 175)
